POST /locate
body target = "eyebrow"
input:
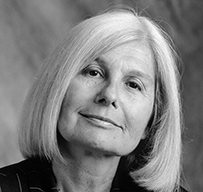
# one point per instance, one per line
(133, 72)
(141, 74)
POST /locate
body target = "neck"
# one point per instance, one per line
(86, 170)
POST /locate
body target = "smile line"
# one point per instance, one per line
(101, 119)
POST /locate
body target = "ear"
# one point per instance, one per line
(144, 134)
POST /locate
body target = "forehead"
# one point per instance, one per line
(132, 50)
(136, 55)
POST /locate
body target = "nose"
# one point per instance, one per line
(108, 96)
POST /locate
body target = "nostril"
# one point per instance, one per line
(114, 105)
(102, 101)
(105, 101)
(106, 98)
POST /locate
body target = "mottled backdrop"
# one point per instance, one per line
(29, 29)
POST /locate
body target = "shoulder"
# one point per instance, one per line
(181, 189)
(25, 167)
(12, 177)
(24, 174)
(123, 182)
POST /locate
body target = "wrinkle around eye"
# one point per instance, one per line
(135, 84)
(93, 71)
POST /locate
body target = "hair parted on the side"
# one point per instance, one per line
(84, 43)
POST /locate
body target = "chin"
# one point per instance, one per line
(107, 150)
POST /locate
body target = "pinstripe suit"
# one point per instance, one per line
(35, 175)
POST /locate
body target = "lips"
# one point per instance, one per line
(104, 119)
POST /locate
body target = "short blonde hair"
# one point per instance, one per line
(85, 42)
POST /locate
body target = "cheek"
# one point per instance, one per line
(68, 113)
(78, 94)
(75, 99)
(137, 119)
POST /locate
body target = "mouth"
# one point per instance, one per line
(100, 118)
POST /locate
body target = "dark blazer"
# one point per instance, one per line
(35, 175)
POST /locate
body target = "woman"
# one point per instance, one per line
(104, 112)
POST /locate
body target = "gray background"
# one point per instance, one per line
(29, 29)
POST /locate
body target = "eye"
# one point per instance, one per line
(92, 71)
(134, 85)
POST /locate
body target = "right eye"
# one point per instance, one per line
(93, 71)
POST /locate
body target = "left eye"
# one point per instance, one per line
(133, 85)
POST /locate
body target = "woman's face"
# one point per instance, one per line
(109, 102)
